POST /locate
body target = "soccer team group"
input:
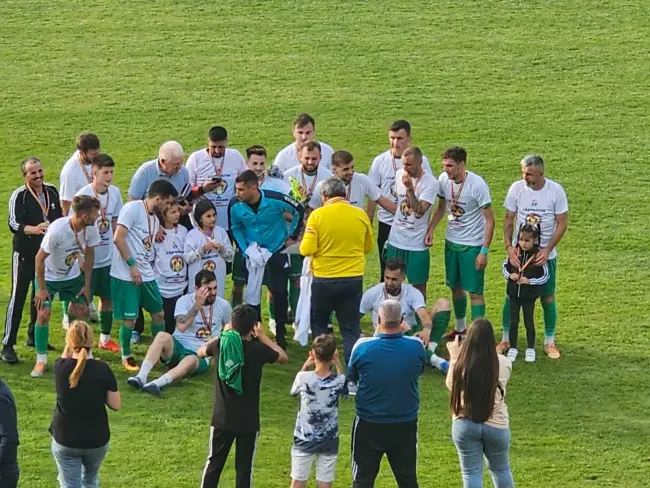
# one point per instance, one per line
(169, 248)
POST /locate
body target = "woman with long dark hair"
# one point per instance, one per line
(477, 379)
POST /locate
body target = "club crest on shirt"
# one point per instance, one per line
(103, 225)
(405, 208)
(457, 211)
(393, 191)
(209, 266)
(71, 258)
(204, 334)
(533, 219)
(176, 264)
(146, 242)
(221, 188)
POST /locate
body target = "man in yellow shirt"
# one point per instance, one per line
(337, 237)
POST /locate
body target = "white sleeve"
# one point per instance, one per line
(511, 199)
(190, 164)
(483, 195)
(243, 166)
(125, 217)
(441, 186)
(561, 202)
(66, 191)
(119, 202)
(93, 239)
(426, 166)
(371, 191)
(316, 200)
(49, 241)
(429, 192)
(417, 299)
(227, 312)
(227, 254)
(374, 175)
(182, 306)
(192, 250)
(297, 385)
(366, 302)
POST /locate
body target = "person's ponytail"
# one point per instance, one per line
(79, 340)
(79, 368)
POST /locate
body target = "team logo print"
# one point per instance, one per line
(209, 266)
(405, 208)
(103, 225)
(393, 190)
(457, 211)
(71, 258)
(221, 188)
(204, 334)
(533, 219)
(146, 242)
(534, 203)
(176, 264)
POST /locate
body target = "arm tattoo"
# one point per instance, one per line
(189, 316)
(414, 203)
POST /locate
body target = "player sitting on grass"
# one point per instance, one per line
(200, 316)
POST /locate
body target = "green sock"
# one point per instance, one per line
(440, 324)
(550, 318)
(478, 311)
(271, 307)
(125, 340)
(155, 328)
(64, 306)
(294, 295)
(41, 338)
(105, 322)
(505, 319)
(460, 307)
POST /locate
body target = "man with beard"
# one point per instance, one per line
(32, 208)
(133, 283)
(200, 317)
(304, 132)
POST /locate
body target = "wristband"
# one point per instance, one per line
(130, 261)
(485, 250)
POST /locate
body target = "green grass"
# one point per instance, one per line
(502, 78)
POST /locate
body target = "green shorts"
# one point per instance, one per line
(240, 272)
(460, 268)
(548, 288)
(417, 263)
(296, 261)
(127, 298)
(181, 352)
(100, 282)
(67, 290)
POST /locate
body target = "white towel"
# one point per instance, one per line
(256, 258)
(303, 321)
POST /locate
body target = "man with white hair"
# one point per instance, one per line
(168, 166)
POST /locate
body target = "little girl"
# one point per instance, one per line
(169, 264)
(523, 289)
(208, 246)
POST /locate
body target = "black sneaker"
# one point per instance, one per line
(282, 342)
(9, 355)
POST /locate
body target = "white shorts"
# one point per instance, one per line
(301, 466)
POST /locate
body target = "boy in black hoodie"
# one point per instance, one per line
(523, 289)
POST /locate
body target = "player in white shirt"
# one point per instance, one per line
(417, 319)
(382, 174)
(464, 198)
(133, 282)
(536, 200)
(208, 246)
(358, 186)
(416, 191)
(304, 131)
(67, 248)
(110, 200)
(169, 264)
(75, 174)
(200, 317)
(215, 169)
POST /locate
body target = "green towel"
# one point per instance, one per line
(231, 360)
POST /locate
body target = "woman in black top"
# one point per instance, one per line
(84, 387)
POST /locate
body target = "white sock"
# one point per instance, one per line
(91, 307)
(90, 355)
(125, 357)
(432, 347)
(163, 381)
(548, 340)
(104, 338)
(41, 358)
(461, 325)
(436, 361)
(145, 369)
(506, 336)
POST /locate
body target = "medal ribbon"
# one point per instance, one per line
(522, 268)
(304, 182)
(45, 208)
(89, 177)
(387, 296)
(219, 171)
(149, 226)
(207, 322)
(455, 198)
(76, 238)
(104, 209)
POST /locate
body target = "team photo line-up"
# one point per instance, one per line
(302, 227)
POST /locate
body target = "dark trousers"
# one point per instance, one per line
(169, 307)
(276, 276)
(528, 307)
(186, 222)
(220, 443)
(382, 236)
(371, 441)
(22, 275)
(342, 296)
(139, 323)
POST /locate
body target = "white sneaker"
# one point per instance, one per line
(65, 322)
(512, 354)
(272, 326)
(93, 314)
(530, 355)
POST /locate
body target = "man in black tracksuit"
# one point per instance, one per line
(32, 207)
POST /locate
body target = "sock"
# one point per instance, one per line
(41, 358)
(104, 338)
(505, 319)
(125, 341)
(478, 310)
(438, 362)
(64, 305)
(271, 307)
(155, 328)
(440, 324)
(41, 338)
(294, 295)
(145, 369)
(105, 322)
(550, 320)
(461, 325)
(163, 381)
(460, 311)
(91, 307)
(506, 336)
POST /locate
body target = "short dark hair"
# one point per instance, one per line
(247, 177)
(413, 151)
(243, 319)
(341, 158)
(256, 149)
(324, 347)
(312, 146)
(103, 161)
(85, 204)
(217, 133)
(395, 264)
(26, 161)
(203, 277)
(401, 125)
(304, 119)
(87, 141)
(162, 189)
(456, 153)
(201, 208)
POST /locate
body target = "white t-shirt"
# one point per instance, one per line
(382, 174)
(64, 249)
(202, 167)
(212, 260)
(408, 231)
(73, 178)
(142, 229)
(276, 184)
(201, 331)
(468, 228)
(410, 298)
(537, 208)
(111, 203)
(169, 263)
(304, 183)
(357, 191)
(287, 158)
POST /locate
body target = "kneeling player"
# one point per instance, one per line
(416, 319)
(200, 316)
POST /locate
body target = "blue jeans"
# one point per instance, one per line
(473, 441)
(78, 468)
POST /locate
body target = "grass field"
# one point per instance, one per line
(502, 78)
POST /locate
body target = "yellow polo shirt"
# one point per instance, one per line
(337, 236)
